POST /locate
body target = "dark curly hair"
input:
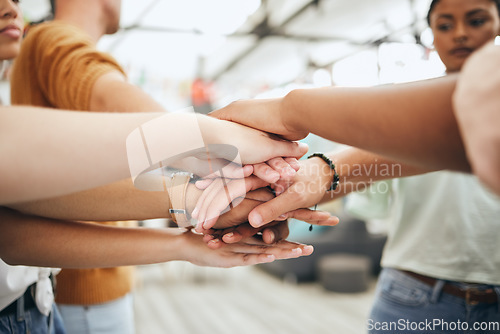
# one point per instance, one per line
(435, 2)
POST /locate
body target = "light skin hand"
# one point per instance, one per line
(270, 172)
(214, 168)
(236, 219)
(246, 139)
(276, 169)
(218, 195)
(235, 190)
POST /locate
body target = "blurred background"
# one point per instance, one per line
(209, 53)
(194, 51)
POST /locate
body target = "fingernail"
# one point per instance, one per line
(289, 171)
(273, 175)
(257, 220)
(229, 235)
(195, 213)
(296, 251)
(269, 258)
(308, 249)
(295, 165)
(272, 237)
(214, 241)
(282, 216)
(303, 145)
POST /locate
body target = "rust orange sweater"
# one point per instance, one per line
(57, 67)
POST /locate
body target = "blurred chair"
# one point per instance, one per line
(350, 236)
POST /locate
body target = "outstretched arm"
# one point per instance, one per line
(47, 153)
(356, 168)
(55, 243)
(59, 152)
(412, 122)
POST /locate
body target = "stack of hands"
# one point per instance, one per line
(251, 202)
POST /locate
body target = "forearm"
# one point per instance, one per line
(60, 152)
(411, 122)
(30, 240)
(117, 201)
(49, 153)
(112, 92)
(358, 169)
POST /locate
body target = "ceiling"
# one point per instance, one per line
(251, 43)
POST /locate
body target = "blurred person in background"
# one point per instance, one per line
(440, 261)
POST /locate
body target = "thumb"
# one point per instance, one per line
(273, 209)
(283, 148)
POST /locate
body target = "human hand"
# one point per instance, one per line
(308, 187)
(270, 115)
(246, 252)
(254, 146)
(217, 196)
(276, 169)
(270, 233)
(270, 171)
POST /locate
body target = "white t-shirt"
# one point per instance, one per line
(14, 280)
(444, 225)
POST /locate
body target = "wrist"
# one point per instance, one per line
(290, 112)
(328, 171)
(192, 196)
(211, 129)
(178, 245)
(177, 186)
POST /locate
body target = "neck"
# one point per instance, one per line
(87, 15)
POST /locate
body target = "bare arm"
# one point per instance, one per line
(357, 169)
(112, 92)
(411, 122)
(116, 201)
(59, 152)
(48, 153)
(54, 243)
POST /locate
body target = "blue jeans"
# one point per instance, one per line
(115, 317)
(404, 304)
(33, 322)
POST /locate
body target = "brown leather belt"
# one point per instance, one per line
(472, 296)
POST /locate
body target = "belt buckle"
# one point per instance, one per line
(469, 294)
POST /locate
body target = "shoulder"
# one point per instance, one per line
(57, 29)
(53, 33)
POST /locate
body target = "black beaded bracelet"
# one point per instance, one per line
(336, 178)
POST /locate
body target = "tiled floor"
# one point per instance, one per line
(179, 298)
